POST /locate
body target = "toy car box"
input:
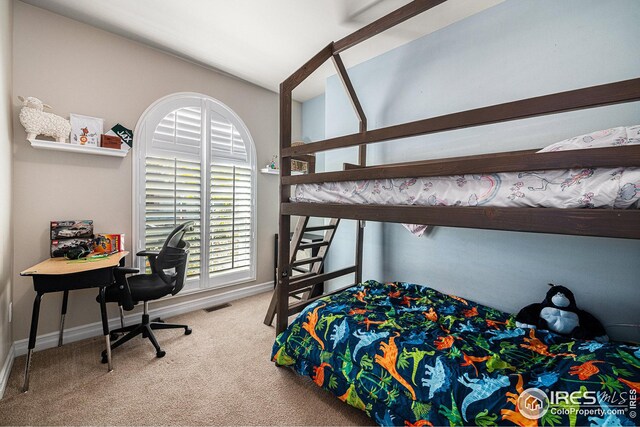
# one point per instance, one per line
(60, 247)
(109, 243)
(71, 229)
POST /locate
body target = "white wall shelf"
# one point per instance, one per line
(277, 171)
(75, 148)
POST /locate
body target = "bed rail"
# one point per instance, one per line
(620, 223)
(588, 222)
(590, 97)
(499, 162)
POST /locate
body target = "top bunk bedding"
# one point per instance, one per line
(616, 188)
(410, 355)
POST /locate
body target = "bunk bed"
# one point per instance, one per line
(408, 354)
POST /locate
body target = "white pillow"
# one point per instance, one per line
(602, 138)
(633, 135)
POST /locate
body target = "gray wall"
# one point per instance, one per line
(6, 244)
(515, 50)
(78, 68)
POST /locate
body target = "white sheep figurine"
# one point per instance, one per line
(37, 122)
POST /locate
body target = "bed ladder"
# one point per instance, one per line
(313, 264)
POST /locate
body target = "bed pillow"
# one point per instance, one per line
(633, 135)
(602, 138)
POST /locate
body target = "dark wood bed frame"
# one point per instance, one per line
(587, 222)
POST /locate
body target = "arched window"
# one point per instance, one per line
(195, 160)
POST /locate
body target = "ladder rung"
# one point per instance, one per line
(299, 291)
(306, 261)
(296, 279)
(312, 245)
(320, 228)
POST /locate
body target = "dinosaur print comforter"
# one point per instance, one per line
(410, 355)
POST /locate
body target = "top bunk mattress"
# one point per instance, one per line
(617, 188)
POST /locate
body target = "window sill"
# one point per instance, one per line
(187, 290)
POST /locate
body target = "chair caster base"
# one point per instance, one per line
(160, 354)
(187, 331)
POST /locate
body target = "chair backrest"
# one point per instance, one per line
(174, 256)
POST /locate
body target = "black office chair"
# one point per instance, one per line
(168, 273)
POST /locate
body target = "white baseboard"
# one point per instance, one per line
(6, 369)
(95, 329)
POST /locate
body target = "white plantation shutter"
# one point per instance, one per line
(197, 162)
(180, 127)
(230, 219)
(173, 196)
(230, 224)
(226, 142)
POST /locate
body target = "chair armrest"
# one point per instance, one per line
(151, 256)
(120, 275)
(122, 271)
(148, 253)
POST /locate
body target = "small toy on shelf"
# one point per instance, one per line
(37, 122)
(272, 164)
(558, 313)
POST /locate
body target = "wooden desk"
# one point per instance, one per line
(63, 275)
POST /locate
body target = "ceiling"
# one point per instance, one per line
(259, 41)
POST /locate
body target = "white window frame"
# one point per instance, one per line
(143, 131)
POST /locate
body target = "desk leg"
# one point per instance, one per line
(63, 313)
(32, 339)
(105, 327)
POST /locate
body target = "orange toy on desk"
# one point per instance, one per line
(109, 243)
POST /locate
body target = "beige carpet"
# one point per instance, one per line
(219, 375)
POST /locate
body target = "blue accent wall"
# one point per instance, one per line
(313, 119)
(515, 50)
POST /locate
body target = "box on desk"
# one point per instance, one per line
(109, 243)
(71, 229)
(60, 247)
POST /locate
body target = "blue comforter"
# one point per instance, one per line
(410, 355)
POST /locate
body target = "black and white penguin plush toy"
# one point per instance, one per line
(558, 313)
